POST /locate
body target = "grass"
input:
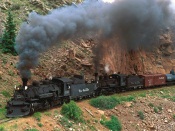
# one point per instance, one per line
(40, 124)
(47, 113)
(113, 124)
(33, 129)
(37, 116)
(141, 115)
(156, 110)
(109, 102)
(151, 104)
(104, 102)
(5, 93)
(65, 122)
(2, 112)
(72, 111)
(174, 116)
(2, 128)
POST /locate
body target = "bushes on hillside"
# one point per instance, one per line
(109, 102)
(72, 111)
(104, 102)
(113, 124)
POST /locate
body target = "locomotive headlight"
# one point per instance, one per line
(17, 88)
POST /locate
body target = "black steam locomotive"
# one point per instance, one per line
(47, 94)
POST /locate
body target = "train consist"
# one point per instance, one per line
(49, 93)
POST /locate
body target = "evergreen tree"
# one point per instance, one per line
(8, 37)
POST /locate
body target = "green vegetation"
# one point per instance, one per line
(156, 110)
(160, 108)
(2, 128)
(2, 112)
(104, 102)
(141, 115)
(151, 105)
(40, 124)
(109, 102)
(174, 116)
(65, 122)
(72, 111)
(5, 93)
(113, 124)
(31, 129)
(47, 113)
(37, 116)
(8, 38)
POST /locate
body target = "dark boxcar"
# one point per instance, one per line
(134, 81)
(159, 79)
(148, 80)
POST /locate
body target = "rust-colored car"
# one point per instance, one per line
(151, 80)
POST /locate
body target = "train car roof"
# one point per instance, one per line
(65, 80)
(118, 74)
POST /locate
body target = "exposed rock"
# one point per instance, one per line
(86, 63)
(3, 7)
(169, 111)
(128, 104)
(101, 112)
(71, 53)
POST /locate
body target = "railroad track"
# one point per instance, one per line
(5, 120)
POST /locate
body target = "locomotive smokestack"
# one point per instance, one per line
(24, 80)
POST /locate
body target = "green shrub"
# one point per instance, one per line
(47, 113)
(174, 116)
(141, 115)
(173, 98)
(15, 7)
(65, 122)
(40, 124)
(151, 105)
(142, 95)
(156, 110)
(71, 111)
(2, 128)
(126, 98)
(160, 108)
(105, 102)
(2, 112)
(5, 93)
(113, 124)
(37, 116)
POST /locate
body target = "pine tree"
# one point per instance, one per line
(8, 37)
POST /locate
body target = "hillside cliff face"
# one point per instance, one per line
(156, 59)
(112, 54)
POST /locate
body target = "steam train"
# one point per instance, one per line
(49, 93)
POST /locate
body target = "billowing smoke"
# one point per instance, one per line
(134, 21)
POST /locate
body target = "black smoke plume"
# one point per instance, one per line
(136, 22)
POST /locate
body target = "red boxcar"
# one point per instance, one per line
(159, 79)
(154, 80)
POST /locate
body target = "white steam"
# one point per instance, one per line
(107, 68)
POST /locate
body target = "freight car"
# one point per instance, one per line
(152, 80)
(48, 93)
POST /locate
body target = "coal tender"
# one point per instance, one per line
(48, 93)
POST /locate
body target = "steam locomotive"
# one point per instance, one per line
(49, 93)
